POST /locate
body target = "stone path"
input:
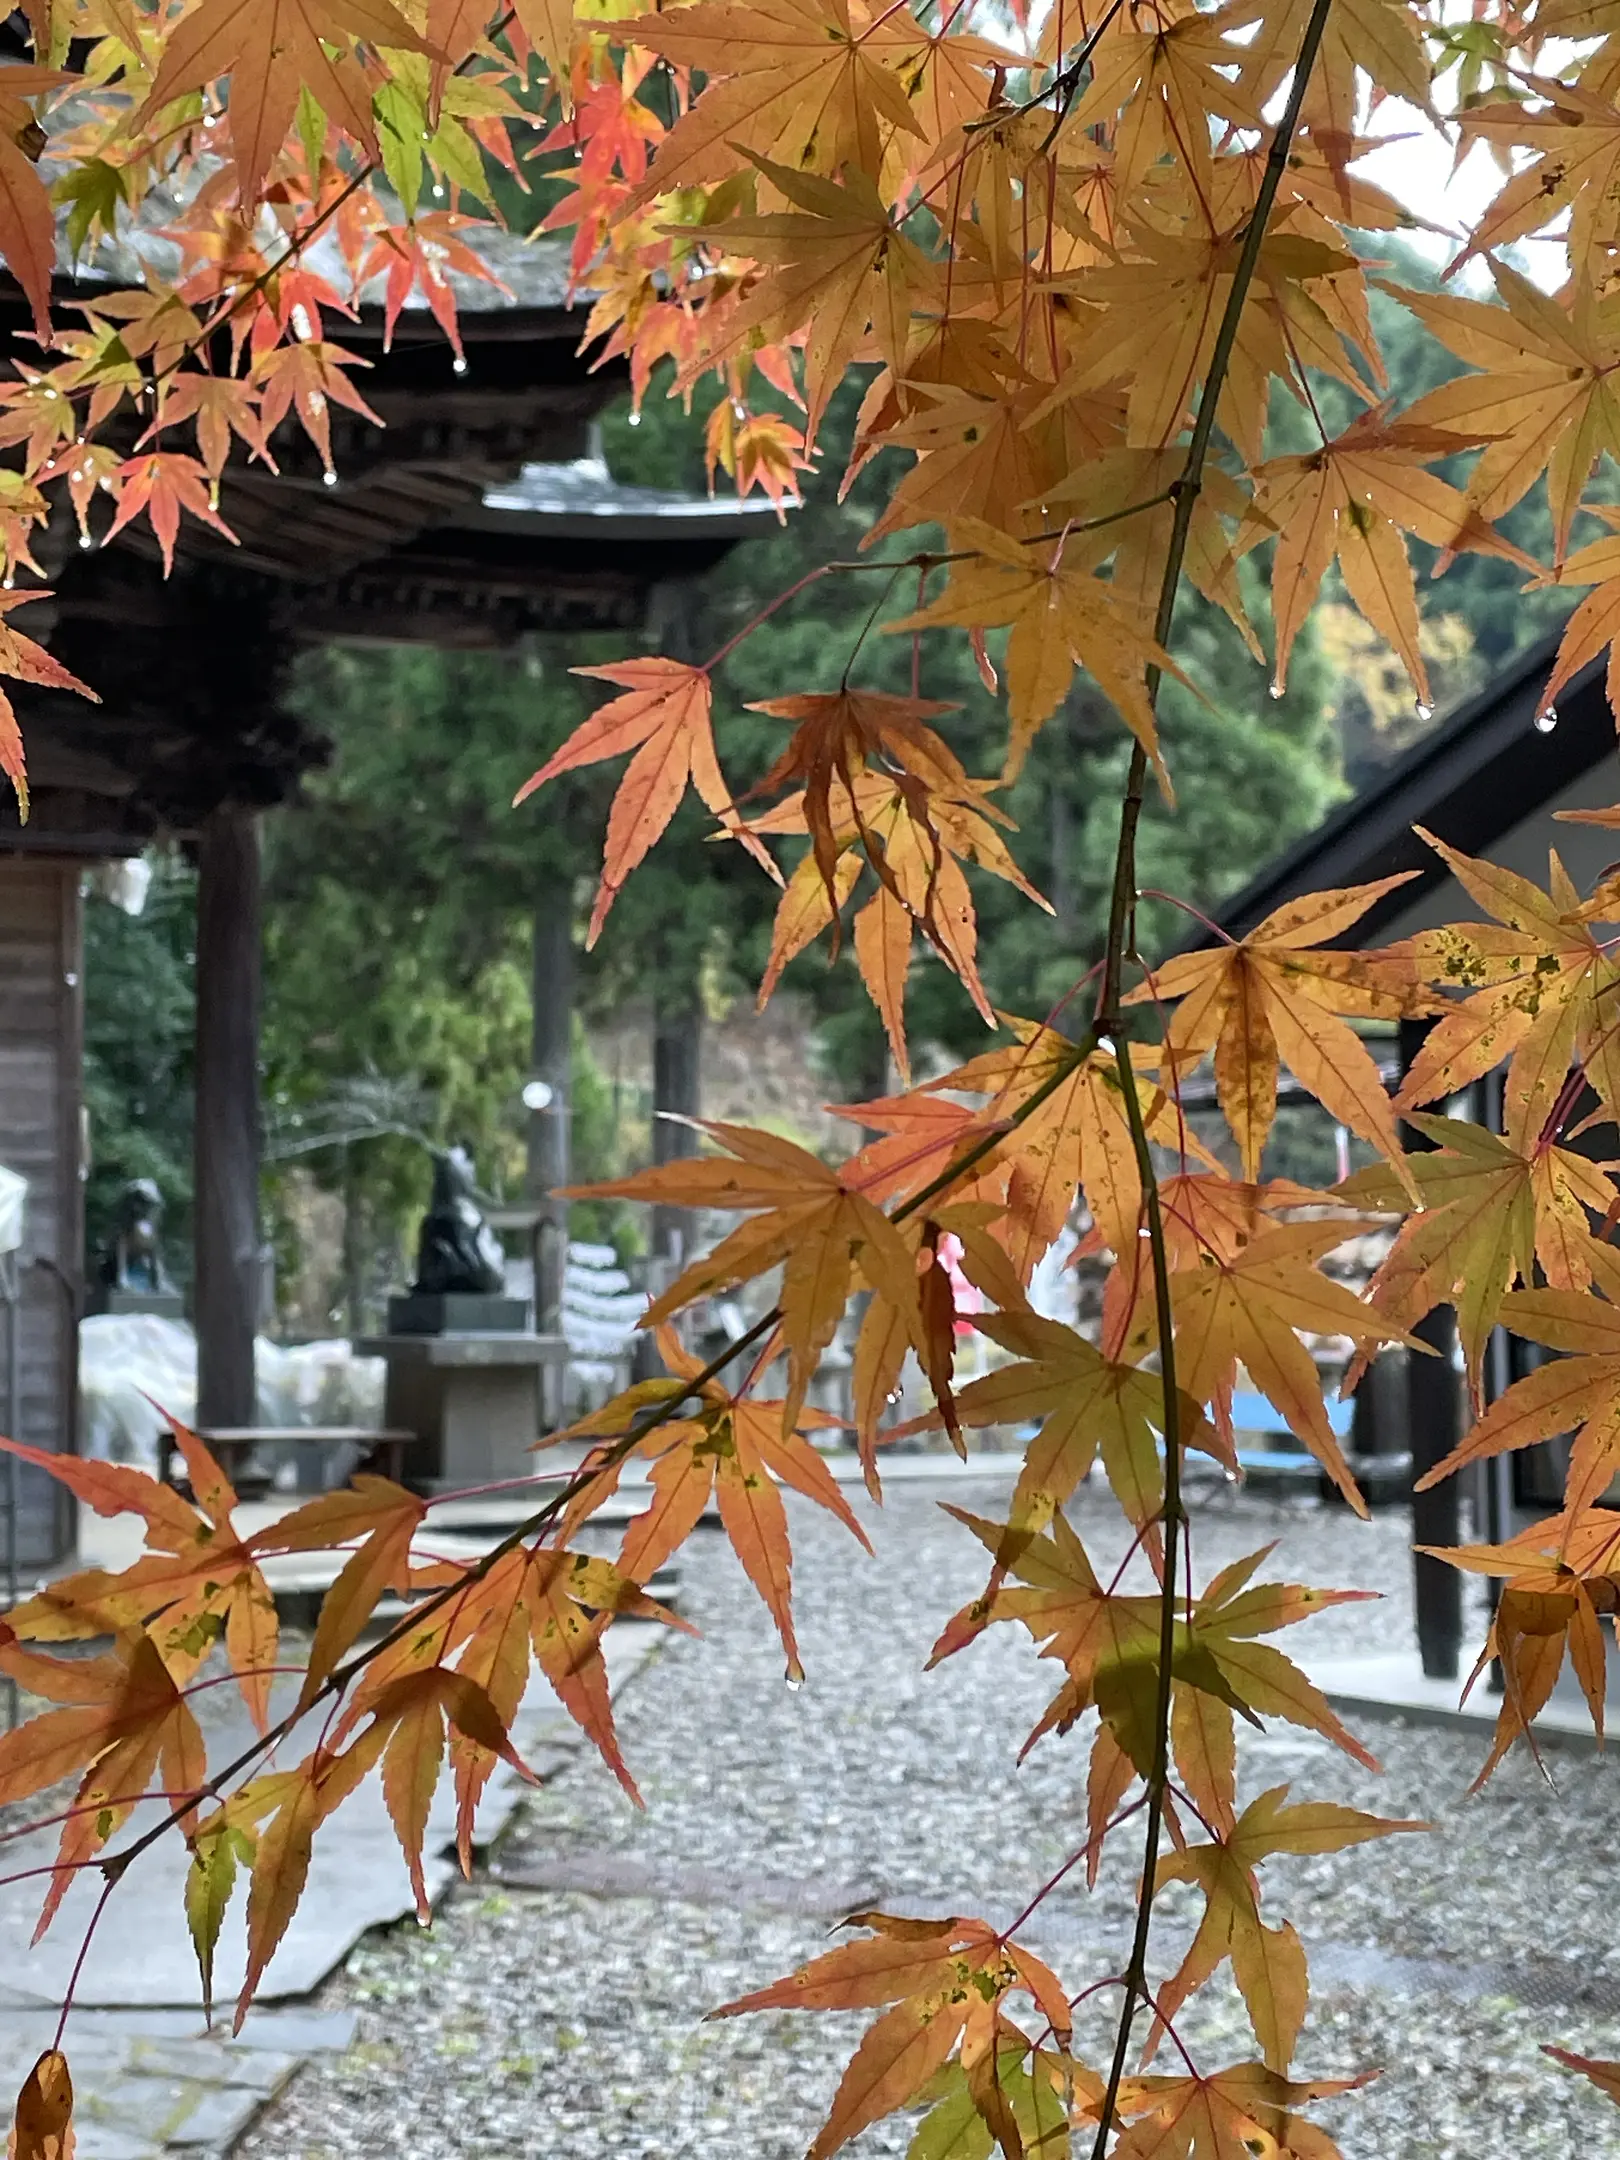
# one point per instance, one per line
(557, 2005)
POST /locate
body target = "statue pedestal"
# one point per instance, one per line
(457, 1312)
(160, 1304)
(473, 1398)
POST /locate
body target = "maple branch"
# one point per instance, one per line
(1121, 925)
(1173, 1516)
(1045, 1891)
(1062, 86)
(1186, 491)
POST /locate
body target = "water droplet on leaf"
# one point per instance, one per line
(794, 1683)
(458, 365)
(1546, 719)
(1424, 712)
(635, 419)
(1276, 689)
(330, 478)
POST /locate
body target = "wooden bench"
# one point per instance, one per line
(232, 1447)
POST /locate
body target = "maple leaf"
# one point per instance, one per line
(221, 406)
(809, 1220)
(272, 51)
(1086, 1403)
(1008, 2093)
(1546, 396)
(28, 661)
(842, 735)
(728, 1450)
(27, 218)
(42, 2127)
(126, 1719)
(198, 1583)
(1247, 1309)
(1267, 1963)
(418, 257)
(1232, 2115)
(1200, 1216)
(1352, 499)
(307, 378)
(1594, 624)
(540, 1600)
(803, 82)
(276, 1815)
(1541, 994)
(1580, 1389)
(1378, 37)
(945, 1980)
(1107, 1639)
(1489, 1213)
(1604, 2075)
(840, 267)
(163, 483)
(663, 717)
(384, 1517)
(1078, 1135)
(1276, 996)
(1060, 618)
(914, 829)
(1157, 88)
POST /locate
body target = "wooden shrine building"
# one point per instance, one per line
(477, 514)
(1489, 781)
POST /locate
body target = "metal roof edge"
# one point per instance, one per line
(1370, 835)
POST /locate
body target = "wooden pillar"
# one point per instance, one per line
(42, 1138)
(677, 1090)
(226, 1159)
(550, 1123)
(1434, 1411)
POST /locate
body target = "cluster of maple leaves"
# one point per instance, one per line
(1078, 257)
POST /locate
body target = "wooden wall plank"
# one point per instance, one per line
(41, 1135)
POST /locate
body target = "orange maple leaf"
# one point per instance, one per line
(272, 51)
(198, 1582)
(1577, 1392)
(1276, 995)
(730, 1450)
(663, 717)
(127, 1719)
(809, 1219)
(1267, 1963)
(945, 1980)
(29, 662)
(42, 2127)
(163, 483)
(1245, 2109)
(1540, 991)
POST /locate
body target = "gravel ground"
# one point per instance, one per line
(566, 2019)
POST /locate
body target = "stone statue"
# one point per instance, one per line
(457, 1254)
(133, 1261)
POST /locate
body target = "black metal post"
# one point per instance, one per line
(1434, 1412)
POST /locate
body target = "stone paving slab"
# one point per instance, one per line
(150, 2078)
(1394, 1684)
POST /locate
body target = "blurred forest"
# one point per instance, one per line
(403, 891)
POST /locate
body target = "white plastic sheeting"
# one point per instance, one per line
(13, 1193)
(124, 1358)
